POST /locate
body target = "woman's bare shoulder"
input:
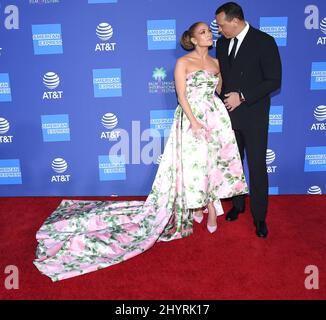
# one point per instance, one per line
(186, 58)
(216, 63)
(185, 61)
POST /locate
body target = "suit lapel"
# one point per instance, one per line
(242, 52)
(225, 56)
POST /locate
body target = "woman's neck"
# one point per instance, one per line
(201, 53)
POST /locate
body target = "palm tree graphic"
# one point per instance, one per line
(159, 74)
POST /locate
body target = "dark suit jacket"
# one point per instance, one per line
(256, 72)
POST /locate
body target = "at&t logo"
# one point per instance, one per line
(110, 121)
(314, 190)
(313, 22)
(51, 81)
(214, 28)
(320, 115)
(104, 32)
(4, 128)
(270, 158)
(60, 166)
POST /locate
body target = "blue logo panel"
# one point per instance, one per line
(318, 76)
(315, 159)
(112, 167)
(162, 120)
(276, 119)
(273, 191)
(10, 172)
(5, 91)
(277, 27)
(161, 34)
(107, 83)
(47, 39)
(55, 127)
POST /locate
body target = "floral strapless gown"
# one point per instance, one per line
(84, 236)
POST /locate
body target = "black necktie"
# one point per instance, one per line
(233, 51)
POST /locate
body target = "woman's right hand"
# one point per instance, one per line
(197, 128)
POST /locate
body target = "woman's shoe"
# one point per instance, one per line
(211, 229)
(198, 219)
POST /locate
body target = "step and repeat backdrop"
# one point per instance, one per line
(87, 93)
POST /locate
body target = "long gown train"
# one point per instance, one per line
(84, 236)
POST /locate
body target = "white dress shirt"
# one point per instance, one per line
(240, 38)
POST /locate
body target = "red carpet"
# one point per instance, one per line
(230, 264)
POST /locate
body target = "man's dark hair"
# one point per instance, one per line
(232, 10)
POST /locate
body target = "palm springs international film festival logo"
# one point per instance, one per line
(102, 1)
(4, 128)
(161, 34)
(5, 91)
(315, 159)
(60, 166)
(320, 116)
(275, 27)
(51, 81)
(318, 76)
(270, 158)
(104, 32)
(47, 39)
(110, 121)
(314, 190)
(313, 21)
(160, 83)
(10, 172)
(43, 1)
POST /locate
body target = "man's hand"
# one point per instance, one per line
(232, 100)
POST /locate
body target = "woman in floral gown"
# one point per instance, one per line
(200, 165)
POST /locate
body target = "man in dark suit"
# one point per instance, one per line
(251, 70)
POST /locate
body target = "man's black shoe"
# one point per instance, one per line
(233, 214)
(261, 229)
